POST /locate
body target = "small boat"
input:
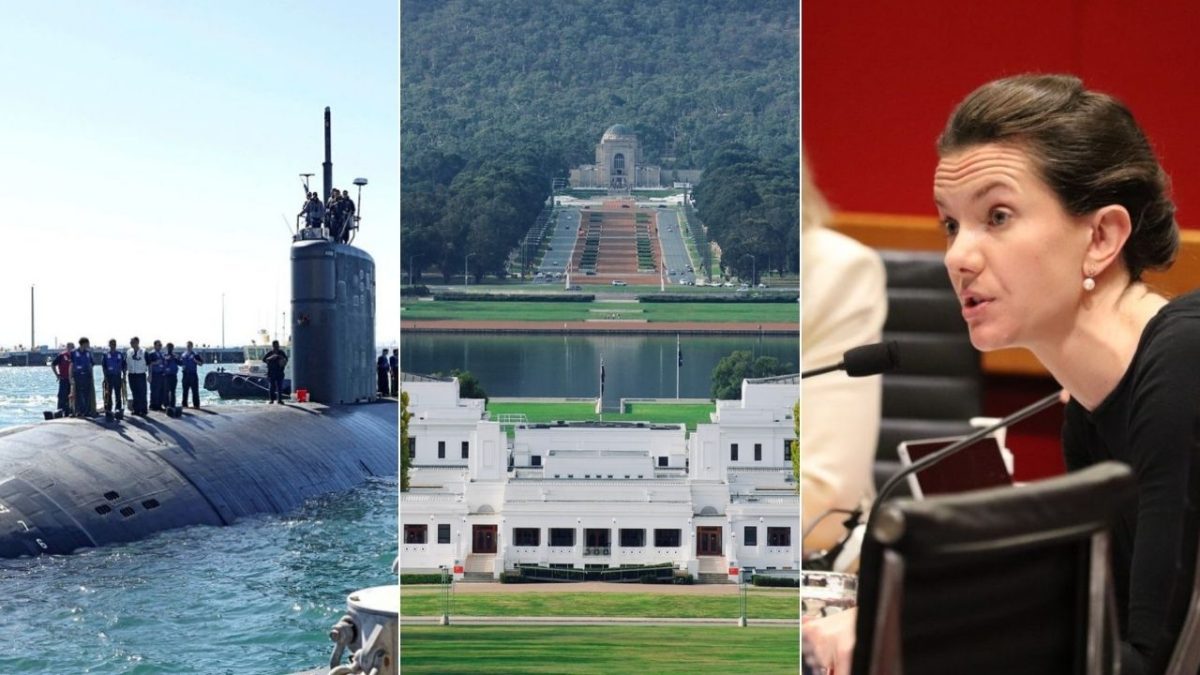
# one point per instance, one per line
(248, 381)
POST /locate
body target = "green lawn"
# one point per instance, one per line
(764, 312)
(760, 603)
(599, 649)
(688, 413)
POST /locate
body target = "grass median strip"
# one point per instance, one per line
(761, 605)
(692, 312)
(665, 413)
(598, 649)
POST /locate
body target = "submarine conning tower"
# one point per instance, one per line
(333, 313)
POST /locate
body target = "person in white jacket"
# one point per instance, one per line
(844, 304)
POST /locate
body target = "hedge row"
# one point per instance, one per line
(775, 581)
(420, 579)
(516, 297)
(406, 291)
(740, 297)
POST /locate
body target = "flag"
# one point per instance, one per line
(678, 353)
(600, 398)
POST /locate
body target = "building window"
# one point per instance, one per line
(758, 452)
(415, 534)
(595, 566)
(535, 460)
(412, 447)
(466, 449)
(662, 461)
(527, 536)
(441, 449)
(733, 452)
(779, 536)
(750, 536)
(597, 537)
(633, 538)
(562, 566)
(666, 538)
(562, 536)
(787, 451)
(444, 533)
(618, 164)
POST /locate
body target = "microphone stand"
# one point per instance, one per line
(924, 463)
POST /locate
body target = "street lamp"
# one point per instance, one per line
(753, 268)
(360, 182)
(466, 270)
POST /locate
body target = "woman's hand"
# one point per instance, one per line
(830, 641)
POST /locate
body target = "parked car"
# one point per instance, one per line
(576, 287)
(618, 282)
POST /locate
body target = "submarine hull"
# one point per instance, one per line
(73, 483)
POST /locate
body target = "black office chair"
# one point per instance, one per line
(1000, 581)
(938, 386)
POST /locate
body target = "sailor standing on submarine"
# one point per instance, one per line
(191, 378)
(155, 360)
(276, 360)
(81, 380)
(114, 367)
(135, 362)
(170, 364)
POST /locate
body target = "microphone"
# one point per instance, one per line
(864, 361)
(926, 462)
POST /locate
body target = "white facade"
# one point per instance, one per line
(588, 494)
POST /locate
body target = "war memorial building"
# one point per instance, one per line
(620, 166)
(599, 495)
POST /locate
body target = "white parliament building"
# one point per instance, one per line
(599, 495)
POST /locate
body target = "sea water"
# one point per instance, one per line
(256, 597)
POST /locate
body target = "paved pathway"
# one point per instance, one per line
(598, 587)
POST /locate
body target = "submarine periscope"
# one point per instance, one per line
(67, 484)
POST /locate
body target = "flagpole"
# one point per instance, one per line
(600, 399)
(678, 364)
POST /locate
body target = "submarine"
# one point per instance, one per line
(69, 484)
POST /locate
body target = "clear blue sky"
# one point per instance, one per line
(150, 152)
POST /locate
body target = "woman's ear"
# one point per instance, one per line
(1110, 229)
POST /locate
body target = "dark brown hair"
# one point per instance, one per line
(1087, 147)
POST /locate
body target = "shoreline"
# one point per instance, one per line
(606, 327)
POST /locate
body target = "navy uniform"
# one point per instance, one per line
(394, 367)
(381, 373)
(170, 377)
(191, 378)
(82, 382)
(135, 369)
(114, 367)
(154, 359)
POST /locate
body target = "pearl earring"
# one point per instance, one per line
(1089, 284)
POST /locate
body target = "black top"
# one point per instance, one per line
(275, 359)
(1149, 422)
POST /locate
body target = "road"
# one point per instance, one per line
(675, 254)
(562, 242)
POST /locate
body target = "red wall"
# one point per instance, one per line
(879, 80)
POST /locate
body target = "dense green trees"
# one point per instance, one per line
(467, 216)
(499, 98)
(731, 370)
(751, 208)
(689, 77)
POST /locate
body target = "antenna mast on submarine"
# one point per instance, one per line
(327, 167)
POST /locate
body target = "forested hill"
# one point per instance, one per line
(482, 76)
